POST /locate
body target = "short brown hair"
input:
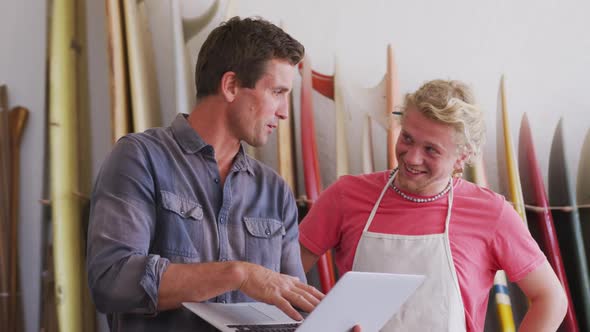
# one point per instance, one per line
(242, 46)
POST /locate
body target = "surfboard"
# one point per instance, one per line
(331, 87)
(12, 124)
(118, 75)
(64, 177)
(342, 123)
(18, 121)
(509, 186)
(541, 221)
(311, 167)
(285, 147)
(184, 29)
(84, 159)
(331, 140)
(569, 229)
(367, 146)
(375, 102)
(392, 101)
(583, 193)
(324, 84)
(142, 76)
(5, 164)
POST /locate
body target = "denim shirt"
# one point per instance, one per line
(158, 199)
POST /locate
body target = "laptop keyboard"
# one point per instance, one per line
(266, 328)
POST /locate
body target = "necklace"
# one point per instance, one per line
(420, 200)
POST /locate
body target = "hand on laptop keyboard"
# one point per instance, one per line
(281, 290)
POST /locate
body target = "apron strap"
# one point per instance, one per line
(450, 204)
(376, 206)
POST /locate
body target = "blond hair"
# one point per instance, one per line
(452, 103)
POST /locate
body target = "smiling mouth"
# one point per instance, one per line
(412, 170)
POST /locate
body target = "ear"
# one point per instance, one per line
(229, 86)
(461, 159)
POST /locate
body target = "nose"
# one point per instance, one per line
(413, 156)
(283, 108)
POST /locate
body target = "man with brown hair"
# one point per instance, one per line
(183, 214)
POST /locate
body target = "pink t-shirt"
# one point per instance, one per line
(486, 234)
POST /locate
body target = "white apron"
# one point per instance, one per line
(437, 304)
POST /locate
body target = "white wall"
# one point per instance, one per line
(22, 69)
(542, 47)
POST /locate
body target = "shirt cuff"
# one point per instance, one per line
(154, 268)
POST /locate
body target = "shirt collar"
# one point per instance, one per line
(191, 142)
(242, 161)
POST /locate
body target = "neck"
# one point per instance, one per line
(430, 191)
(209, 119)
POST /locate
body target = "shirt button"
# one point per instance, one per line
(267, 231)
(221, 220)
(216, 180)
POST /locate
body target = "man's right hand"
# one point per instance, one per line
(281, 290)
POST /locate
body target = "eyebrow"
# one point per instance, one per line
(436, 145)
(282, 88)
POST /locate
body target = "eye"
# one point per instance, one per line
(278, 92)
(431, 151)
(406, 138)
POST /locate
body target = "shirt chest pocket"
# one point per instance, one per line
(264, 238)
(180, 230)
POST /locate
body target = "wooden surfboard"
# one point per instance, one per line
(286, 156)
(118, 79)
(377, 102)
(12, 124)
(569, 229)
(331, 141)
(541, 221)
(330, 86)
(84, 159)
(583, 193)
(342, 123)
(393, 100)
(184, 29)
(311, 167)
(509, 185)
(367, 146)
(508, 170)
(5, 164)
(63, 121)
(142, 76)
(285, 150)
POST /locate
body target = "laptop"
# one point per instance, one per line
(365, 298)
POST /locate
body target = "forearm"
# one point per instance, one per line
(544, 314)
(198, 282)
(308, 258)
